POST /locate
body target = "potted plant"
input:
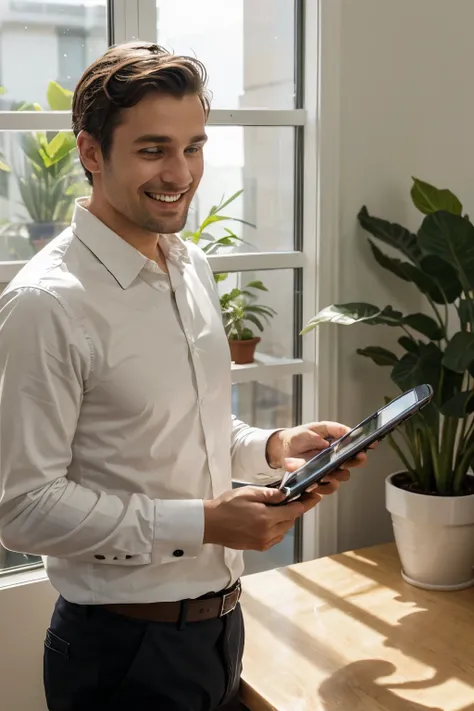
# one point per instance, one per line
(239, 313)
(431, 500)
(48, 180)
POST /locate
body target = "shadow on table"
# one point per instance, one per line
(355, 683)
(408, 633)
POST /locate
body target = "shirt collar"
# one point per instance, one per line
(122, 260)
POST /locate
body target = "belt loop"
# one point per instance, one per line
(183, 613)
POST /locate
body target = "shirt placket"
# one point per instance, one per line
(178, 285)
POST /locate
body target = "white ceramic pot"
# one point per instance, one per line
(434, 537)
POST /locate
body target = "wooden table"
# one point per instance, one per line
(345, 633)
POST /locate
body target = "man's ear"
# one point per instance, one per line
(90, 153)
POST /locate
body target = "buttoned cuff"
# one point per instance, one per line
(179, 530)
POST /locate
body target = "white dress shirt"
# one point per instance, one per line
(115, 419)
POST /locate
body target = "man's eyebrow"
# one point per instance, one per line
(156, 138)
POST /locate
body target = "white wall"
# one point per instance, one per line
(407, 108)
(25, 612)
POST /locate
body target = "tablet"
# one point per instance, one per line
(359, 439)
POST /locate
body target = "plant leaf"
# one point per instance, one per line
(4, 166)
(425, 325)
(380, 356)
(450, 237)
(428, 199)
(2, 90)
(458, 406)
(59, 99)
(459, 353)
(409, 345)
(256, 285)
(405, 270)
(444, 276)
(392, 234)
(345, 314)
(253, 319)
(227, 202)
(413, 370)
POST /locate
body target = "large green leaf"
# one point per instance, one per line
(59, 147)
(459, 354)
(425, 325)
(380, 356)
(413, 370)
(409, 345)
(403, 270)
(348, 314)
(429, 199)
(392, 234)
(444, 276)
(459, 405)
(450, 237)
(4, 166)
(59, 99)
(418, 322)
(345, 314)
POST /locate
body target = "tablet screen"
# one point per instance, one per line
(382, 418)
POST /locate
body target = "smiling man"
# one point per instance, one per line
(117, 442)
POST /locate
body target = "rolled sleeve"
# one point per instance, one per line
(179, 530)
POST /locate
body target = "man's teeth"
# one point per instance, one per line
(164, 198)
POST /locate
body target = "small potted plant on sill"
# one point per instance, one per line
(431, 500)
(239, 313)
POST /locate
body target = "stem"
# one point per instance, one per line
(448, 441)
(403, 458)
(408, 333)
(438, 315)
(462, 468)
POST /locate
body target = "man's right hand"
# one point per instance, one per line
(244, 518)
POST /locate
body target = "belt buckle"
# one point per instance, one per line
(230, 600)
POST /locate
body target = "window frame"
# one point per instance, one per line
(315, 121)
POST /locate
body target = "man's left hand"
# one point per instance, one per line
(289, 449)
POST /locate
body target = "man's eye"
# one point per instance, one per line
(151, 151)
(193, 149)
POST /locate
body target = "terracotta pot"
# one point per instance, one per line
(242, 352)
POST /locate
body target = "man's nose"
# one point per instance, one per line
(175, 171)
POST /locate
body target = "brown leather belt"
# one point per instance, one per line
(204, 608)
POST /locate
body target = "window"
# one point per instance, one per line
(253, 52)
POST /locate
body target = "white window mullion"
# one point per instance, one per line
(61, 120)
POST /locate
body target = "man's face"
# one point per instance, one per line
(155, 163)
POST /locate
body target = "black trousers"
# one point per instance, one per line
(96, 660)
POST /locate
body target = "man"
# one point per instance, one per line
(117, 439)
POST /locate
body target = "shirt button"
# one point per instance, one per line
(178, 553)
(99, 557)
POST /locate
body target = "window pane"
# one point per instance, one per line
(267, 405)
(31, 211)
(63, 37)
(12, 561)
(257, 160)
(277, 336)
(246, 45)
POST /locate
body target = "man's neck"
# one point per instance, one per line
(143, 241)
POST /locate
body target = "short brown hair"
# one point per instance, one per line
(122, 77)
